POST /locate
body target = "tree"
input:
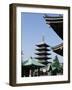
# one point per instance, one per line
(56, 67)
(56, 63)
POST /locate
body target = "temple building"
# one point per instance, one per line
(42, 52)
(58, 49)
(56, 23)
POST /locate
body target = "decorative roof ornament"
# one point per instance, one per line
(43, 39)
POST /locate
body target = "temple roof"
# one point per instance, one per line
(33, 62)
(58, 49)
(56, 22)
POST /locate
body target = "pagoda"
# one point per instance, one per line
(42, 53)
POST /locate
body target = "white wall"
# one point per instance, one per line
(4, 45)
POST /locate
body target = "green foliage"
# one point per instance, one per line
(56, 63)
(56, 66)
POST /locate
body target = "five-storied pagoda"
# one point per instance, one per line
(42, 52)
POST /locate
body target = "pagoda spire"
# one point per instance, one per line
(43, 38)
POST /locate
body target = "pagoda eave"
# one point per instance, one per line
(43, 53)
(41, 45)
(42, 58)
(43, 49)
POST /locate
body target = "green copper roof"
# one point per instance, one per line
(32, 61)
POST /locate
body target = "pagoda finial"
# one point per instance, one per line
(43, 39)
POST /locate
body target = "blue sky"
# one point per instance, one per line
(33, 28)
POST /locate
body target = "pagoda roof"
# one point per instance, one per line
(56, 23)
(42, 58)
(42, 45)
(44, 62)
(42, 53)
(47, 67)
(58, 49)
(42, 49)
